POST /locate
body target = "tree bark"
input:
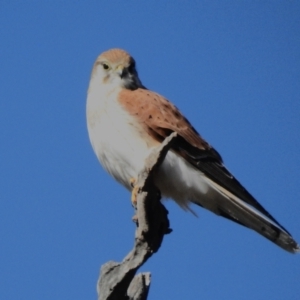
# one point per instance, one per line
(118, 281)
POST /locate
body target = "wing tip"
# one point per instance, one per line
(287, 242)
(296, 249)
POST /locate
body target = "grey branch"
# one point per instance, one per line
(118, 281)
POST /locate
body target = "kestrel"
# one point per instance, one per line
(126, 121)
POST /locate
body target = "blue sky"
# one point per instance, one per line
(232, 67)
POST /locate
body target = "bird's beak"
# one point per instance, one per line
(120, 70)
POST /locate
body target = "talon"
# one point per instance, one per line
(132, 181)
(134, 192)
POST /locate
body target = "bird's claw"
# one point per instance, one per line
(134, 192)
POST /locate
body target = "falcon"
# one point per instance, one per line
(126, 121)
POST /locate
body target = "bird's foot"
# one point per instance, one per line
(134, 192)
(132, 181)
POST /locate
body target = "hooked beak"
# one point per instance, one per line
(120, 70)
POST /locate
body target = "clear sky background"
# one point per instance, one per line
(232, 67)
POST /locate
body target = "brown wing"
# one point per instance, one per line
(160, 118)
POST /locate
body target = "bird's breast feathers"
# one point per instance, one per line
(116, 137)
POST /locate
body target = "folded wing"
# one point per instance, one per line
(160, 118)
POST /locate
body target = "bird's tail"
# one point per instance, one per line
(239, 211)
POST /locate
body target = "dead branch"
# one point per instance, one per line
(117, 281)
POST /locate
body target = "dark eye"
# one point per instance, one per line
(105, 66)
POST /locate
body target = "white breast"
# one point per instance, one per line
(115, 136)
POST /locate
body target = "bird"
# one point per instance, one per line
(125, 121)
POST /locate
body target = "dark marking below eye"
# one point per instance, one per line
(150, 117)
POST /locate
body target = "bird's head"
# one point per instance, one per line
(116, 68)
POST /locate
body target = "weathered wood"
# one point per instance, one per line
(117, 281)
(139, 286)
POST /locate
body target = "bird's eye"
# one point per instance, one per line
(105, 66)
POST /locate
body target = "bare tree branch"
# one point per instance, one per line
(117, 280)
(139, 286)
